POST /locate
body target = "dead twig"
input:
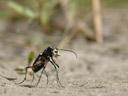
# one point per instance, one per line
(97, 20)
(68, 38)
(87, 32)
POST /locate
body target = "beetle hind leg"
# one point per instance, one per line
(26, 71)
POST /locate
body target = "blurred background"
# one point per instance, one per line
(97, 30)
(39, 23)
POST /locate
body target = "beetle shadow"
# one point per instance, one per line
(29, 86)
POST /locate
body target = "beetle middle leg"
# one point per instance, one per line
(40, 77)
(46, 76)
(33, 77)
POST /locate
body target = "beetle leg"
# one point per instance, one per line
(54, 61)
(26, 71)
(46, 75)
(42, 72)
(33, 77)
(40, 77)
(57, 76)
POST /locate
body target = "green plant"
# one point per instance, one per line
(42, 13)
(30, 59)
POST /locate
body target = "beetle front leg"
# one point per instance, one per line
(54, 61)
(57, 76)
(46, 75)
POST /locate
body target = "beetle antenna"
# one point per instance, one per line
(69, 51)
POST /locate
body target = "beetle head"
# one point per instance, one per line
(54, 51)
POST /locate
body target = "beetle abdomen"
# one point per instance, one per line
(36, 68)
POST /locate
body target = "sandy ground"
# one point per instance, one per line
(99, 70)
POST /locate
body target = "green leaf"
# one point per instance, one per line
(30, 57)
(30, 73)
(47, 10)
(52, 4)
(22, 10)
(19, 69)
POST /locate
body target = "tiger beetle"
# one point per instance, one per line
(48, 55)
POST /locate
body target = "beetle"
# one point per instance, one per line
(48, 55)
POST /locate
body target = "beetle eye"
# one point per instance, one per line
(56, 51)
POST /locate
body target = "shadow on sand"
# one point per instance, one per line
(29, 86)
